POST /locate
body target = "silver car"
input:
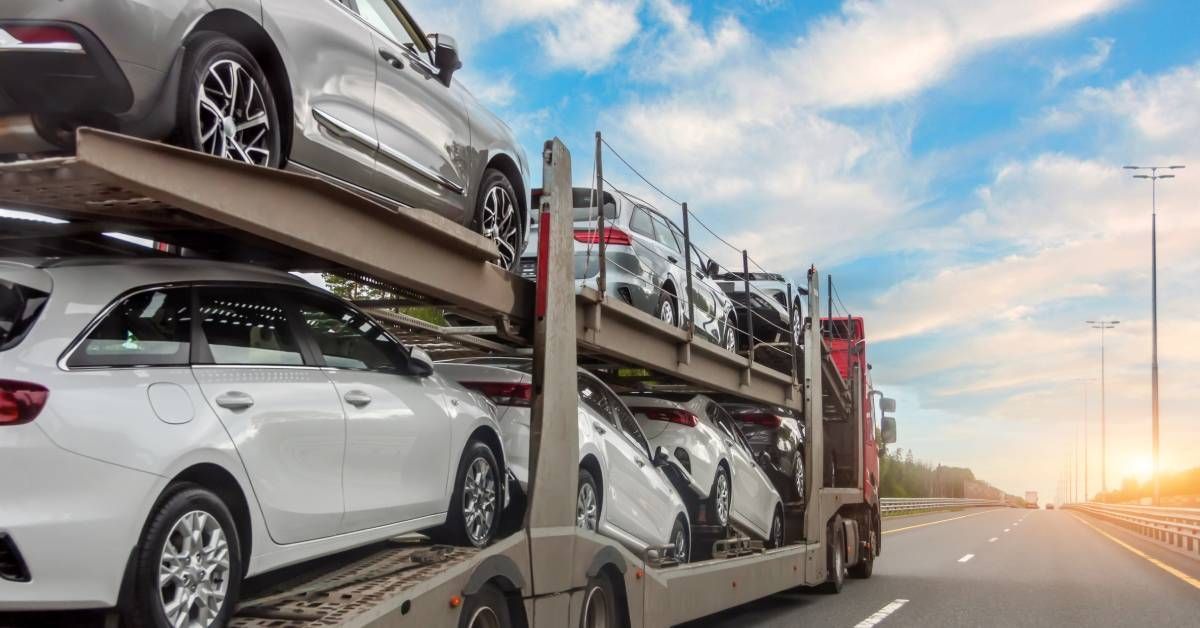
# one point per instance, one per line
(175, 425)
(645, 265)
(350, 90)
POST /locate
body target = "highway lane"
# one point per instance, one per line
(1048, 569)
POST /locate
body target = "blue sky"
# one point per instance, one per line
(954, 164)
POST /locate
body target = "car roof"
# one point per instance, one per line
(222, 271)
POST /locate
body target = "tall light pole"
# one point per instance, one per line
(1085, 382)
(1154, 177)
(1103, 325)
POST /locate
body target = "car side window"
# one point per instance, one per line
(592, 395)
(247, 326)
(151, 328)
(386, 17)
(727, 425)
(640, 223)
(346, 338)
(628, 423)
(662, 233)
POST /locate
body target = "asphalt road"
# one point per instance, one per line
(1025, 568)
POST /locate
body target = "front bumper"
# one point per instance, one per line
(73, 520)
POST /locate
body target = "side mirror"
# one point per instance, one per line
(419, 363)
(445, 57)
(764, 459)
(888, 427)
(661, 457)
(887, 404)
(712, 268)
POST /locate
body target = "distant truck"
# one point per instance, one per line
(1031, 499)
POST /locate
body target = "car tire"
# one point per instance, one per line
(799, 480)
(473, 498)
(668, 308)
(680, 531)
(212, 109)
(498, 217)
(601, 608)
(777, 533)
(836, 556)
(486, 608)
(866, 564)
(212, 571)
(730, 341)
(720, 498)
(588, 502)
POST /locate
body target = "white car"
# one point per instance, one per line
(189, 423)
(623, 494)
(718, 464)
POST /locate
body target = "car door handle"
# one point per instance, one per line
(357, 398)
(235, 400)
(672, 259)
(600, 428)
(729, 443)
(640, 463)
(391, 59)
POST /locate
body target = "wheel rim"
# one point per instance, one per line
(479, 501)
(722, 498)
(231, 115)
(485, 617)
(667, 313)
(679, 540)
(837, 562)
(500, 223)
(777, 530)
(587, 512)
(799, 477)
(595, 609)
(730, 337)
(193, 571)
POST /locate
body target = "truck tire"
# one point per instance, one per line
(488, 608)
(866, 562)
(836, 556)
(601, 607)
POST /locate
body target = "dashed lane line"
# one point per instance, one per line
(881, 614)
(966, 558)
(1006, 529)
(993, 539)
(922, 525)
(1153, 561)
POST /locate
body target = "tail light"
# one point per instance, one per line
(21, 402)
(670, 415)
(504, 393)
(42, 35)
(611, 236)
(764, 419)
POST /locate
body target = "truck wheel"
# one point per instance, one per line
(866, 564)
(836, 556)
(486, 609)
(600, 607)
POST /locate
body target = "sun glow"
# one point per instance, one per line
(1139, 467)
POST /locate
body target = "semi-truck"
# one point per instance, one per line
(1031, 499)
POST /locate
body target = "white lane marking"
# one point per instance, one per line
(881, 614)
(966, 558)
(993, 539)
(1006, 529)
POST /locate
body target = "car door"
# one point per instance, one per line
(750, 485)
(624, 497)
(424, 133)
(397, 425)
(653, 260)
(281, 411)
(331, 63)
(658, 491)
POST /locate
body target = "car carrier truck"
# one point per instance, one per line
(549, 573)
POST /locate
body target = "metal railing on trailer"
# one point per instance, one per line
(227, 210)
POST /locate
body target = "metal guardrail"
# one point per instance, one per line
(893, 505)
(1176, 527)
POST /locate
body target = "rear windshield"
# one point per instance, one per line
(19, 308)
(584, 202)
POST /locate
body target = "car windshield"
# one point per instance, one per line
(584, 202)
(19, 308)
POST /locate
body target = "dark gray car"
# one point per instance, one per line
(350, 90)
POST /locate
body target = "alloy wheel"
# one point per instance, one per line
(479, 500)
(501, 225)
(798, 476)
(587, 512)
(723, 498)
(193, 571)
(232, 115)
(666, 313)
(679, 540)
(777, 530)
(730, 337)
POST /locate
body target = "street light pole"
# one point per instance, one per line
(1154, 176)
(1103, 325)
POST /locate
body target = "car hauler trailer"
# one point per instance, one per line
(549, 573)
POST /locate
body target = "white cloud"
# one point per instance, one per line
(1090, 62)
(878, 51)
(682, 47)
(589, 35)
(495, 92)
(1161, 108)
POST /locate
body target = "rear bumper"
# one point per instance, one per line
(73, 520)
